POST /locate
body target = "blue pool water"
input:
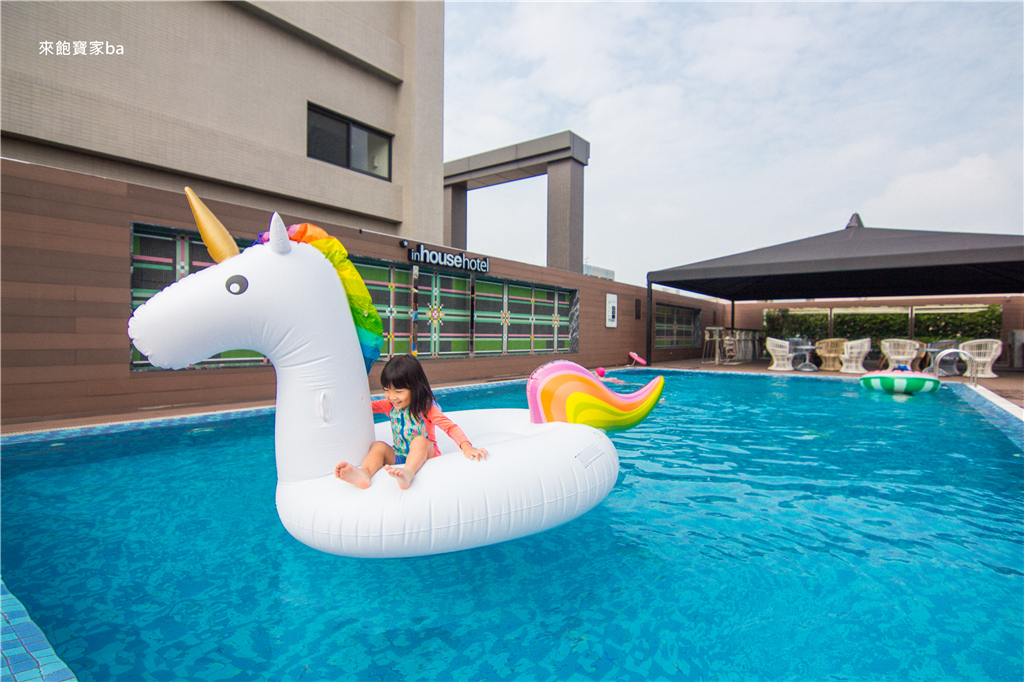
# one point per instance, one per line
(762, 528)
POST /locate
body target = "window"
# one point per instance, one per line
(390, 289)
(160, 257)
(675, 327)
(431, 312)
(444, 314)
(460, 315)
(335, 139)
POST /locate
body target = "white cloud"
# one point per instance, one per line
(510, 221)
(976, 194)
(720, 127)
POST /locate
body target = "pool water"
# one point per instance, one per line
(762, 528)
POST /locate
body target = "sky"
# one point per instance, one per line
(717, 128)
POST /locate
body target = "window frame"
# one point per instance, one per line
(684, 334)
(521, 318)
(420, 327)
(183, 262)
(348, 125)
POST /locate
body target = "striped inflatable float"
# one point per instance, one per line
(901, 381)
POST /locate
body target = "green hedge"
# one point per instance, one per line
(782, 323)
(985, 324)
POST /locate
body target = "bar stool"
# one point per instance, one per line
(711, 338)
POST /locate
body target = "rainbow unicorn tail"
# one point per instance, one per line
(562, 391)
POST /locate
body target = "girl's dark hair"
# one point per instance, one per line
(405, 371)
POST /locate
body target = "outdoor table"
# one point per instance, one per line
(807, 365)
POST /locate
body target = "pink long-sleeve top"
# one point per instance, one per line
(434, 417)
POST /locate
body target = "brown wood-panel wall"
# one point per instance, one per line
(65, 300)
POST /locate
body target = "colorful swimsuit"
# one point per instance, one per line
(405, 427)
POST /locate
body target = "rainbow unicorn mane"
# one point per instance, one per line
(562, 391)
(369, 328)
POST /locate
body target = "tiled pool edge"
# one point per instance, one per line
(999, 401)
(1001, 412)
(128, 425)
(26, 654)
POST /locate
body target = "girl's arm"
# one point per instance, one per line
(437, 417)
(382, 406)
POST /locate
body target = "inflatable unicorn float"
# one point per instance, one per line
(296, 298)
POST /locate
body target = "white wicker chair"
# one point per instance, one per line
(853, 356)
(900, 352)
(985, 351)
(782, 359)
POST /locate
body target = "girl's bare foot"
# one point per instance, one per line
(354, 475)
(403, 476)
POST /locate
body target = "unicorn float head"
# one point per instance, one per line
(296, 298)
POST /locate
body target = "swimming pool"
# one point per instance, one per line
(762, 528)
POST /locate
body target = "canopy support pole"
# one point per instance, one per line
(650, 313)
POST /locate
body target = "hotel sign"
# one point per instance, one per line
(460, 261)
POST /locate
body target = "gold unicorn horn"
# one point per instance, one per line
(218, 242)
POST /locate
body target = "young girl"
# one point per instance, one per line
(409, 403)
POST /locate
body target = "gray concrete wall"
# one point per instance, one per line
(219, 91)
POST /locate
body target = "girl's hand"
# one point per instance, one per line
(473, 453)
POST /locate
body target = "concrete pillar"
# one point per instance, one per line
(565, 215)
(417, 158)
(455, 215)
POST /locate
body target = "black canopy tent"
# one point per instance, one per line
(856, 262)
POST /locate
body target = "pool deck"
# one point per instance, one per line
(1009, 386)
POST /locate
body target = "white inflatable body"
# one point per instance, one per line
(285, 300)
(536, 476)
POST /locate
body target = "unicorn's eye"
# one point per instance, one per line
(236, 284)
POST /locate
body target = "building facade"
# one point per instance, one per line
(332, 106)
(329, 113)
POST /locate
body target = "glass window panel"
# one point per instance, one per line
(149, 278)
(199, 256)
(544, 307)
(489, 305)
(370, 152)
(159, 256)
(487, 346)
(151, 246)
(515, 291)
(518, 345)
(675, 327)
(326, 138)
(519, 307)
(488, 287)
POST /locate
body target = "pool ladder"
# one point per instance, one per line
(972, 363)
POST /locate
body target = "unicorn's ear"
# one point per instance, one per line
(278, 240)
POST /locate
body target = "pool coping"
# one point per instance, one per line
(990, 398)
(118, 425)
